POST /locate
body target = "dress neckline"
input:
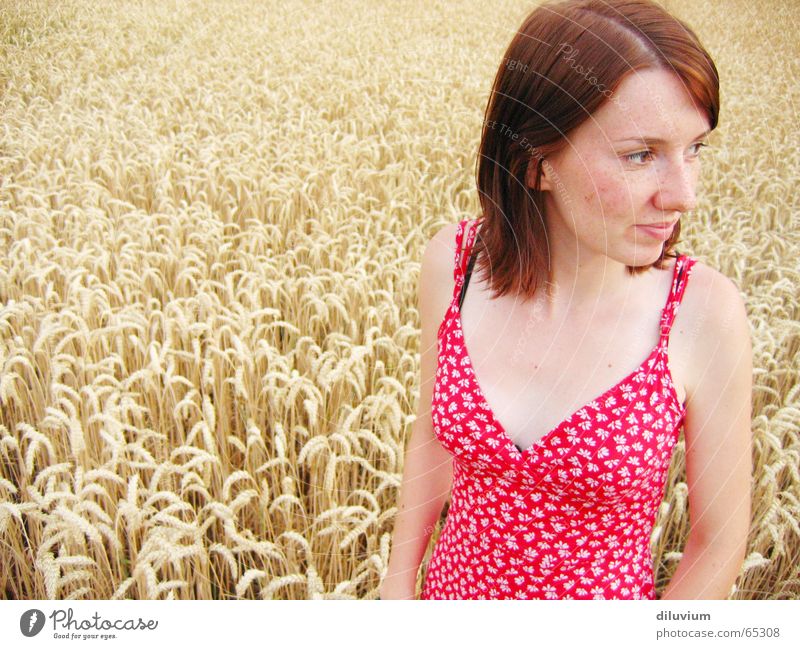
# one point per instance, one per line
(542, 441)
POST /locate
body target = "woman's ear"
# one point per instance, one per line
(545, 182)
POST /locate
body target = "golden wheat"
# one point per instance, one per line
(209, 335)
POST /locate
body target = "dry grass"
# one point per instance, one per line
(213, 215)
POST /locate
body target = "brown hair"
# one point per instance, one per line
(537, 97)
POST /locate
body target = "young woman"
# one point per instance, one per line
(553, 392)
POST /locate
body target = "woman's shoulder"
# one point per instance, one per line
(709, 292)
(448, 232)
(436, 277)
(440, 250)
(445, 235)
(712, 317)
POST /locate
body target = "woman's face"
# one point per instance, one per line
(634, 162)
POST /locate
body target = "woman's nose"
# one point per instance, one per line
(676, 190)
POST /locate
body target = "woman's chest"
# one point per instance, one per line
(533, 374)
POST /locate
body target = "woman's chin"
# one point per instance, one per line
(643, 256)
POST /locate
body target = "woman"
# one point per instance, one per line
(589, 155)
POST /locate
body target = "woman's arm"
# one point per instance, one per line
(718, 442)
(427, 467)
(427, 477)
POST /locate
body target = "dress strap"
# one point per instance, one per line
(465, 237)
(682, 271)
(466, 278)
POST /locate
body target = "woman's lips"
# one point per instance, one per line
(657, 231)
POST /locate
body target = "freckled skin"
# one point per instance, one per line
(592, 233)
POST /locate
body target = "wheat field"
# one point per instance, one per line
(213, 215)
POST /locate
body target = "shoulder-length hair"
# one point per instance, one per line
(567, 59)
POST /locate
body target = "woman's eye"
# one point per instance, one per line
(637, 157)
(699, 146)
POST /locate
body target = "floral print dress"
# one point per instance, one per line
(571, 516)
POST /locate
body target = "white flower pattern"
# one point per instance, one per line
(571, 516)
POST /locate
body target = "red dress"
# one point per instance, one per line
(571, 516)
